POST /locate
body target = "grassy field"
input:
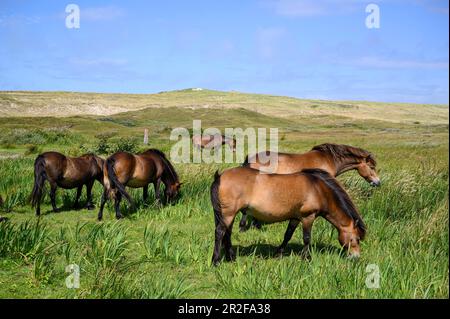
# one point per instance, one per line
(165, 252)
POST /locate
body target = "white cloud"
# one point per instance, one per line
(268, 39)
(98, 62)
(101, 13)
(308, 8)
(305, 8)
(15, 20)
(377, 62)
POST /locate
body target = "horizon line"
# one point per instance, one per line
(199, 89)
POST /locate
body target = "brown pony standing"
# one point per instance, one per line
(332, 158)
(275, 198)
(125, 169)
(65, 172)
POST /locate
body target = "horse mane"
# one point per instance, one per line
(340, 151)
(341, 196)
(166, 162)
(90, 155)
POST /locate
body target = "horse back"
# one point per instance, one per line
(289, 163)
(55, 165)
(268, 197)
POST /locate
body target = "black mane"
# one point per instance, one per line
(169, 167)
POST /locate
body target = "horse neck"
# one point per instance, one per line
(168, 176)
(345, 164)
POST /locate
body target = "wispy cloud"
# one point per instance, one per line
(435, 6)
(16, 20)
(304, 8)
(310, 8)
(98, 62)
(268, 39)
(101, 13)
(378, 62)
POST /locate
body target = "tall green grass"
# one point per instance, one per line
(165, 252)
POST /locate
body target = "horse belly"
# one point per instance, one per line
(269, 215)
(69, 183)
(137, 183)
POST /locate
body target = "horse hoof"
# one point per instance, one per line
(306, 256)
(90, 207)
(3, 219)
(279, 254)
(119, 217)
(231, 257)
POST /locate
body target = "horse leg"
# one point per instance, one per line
(117, 205)
(256, 223)
(102, 204)
(307, 223)
(145, 193)
(89, 204)
(53, 187)
(243, 223)
(223, 236)
(77, 198)
(157, 186)
(219, 234)
(293, 223)
(229, 253)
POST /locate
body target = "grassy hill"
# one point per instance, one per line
(35, 104)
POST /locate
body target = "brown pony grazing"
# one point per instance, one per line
(213, 141)
(65, 172)
(275, 198)
(124, 169)
(332, 158)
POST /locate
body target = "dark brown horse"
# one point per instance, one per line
(298, 197)
(332, 158)
(138, 171)
(65, 172)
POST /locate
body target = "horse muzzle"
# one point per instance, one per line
(376, 183)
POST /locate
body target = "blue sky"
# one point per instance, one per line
(302, 48)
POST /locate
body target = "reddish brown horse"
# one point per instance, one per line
(138, 171)
(275, 198)
(65, 172)
(332, 158)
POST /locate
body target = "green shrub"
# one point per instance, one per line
(124, 145)
(31, 149)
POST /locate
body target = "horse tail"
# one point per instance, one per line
(215, 201)
(113, 181)
(40, 176)
(342, 198)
